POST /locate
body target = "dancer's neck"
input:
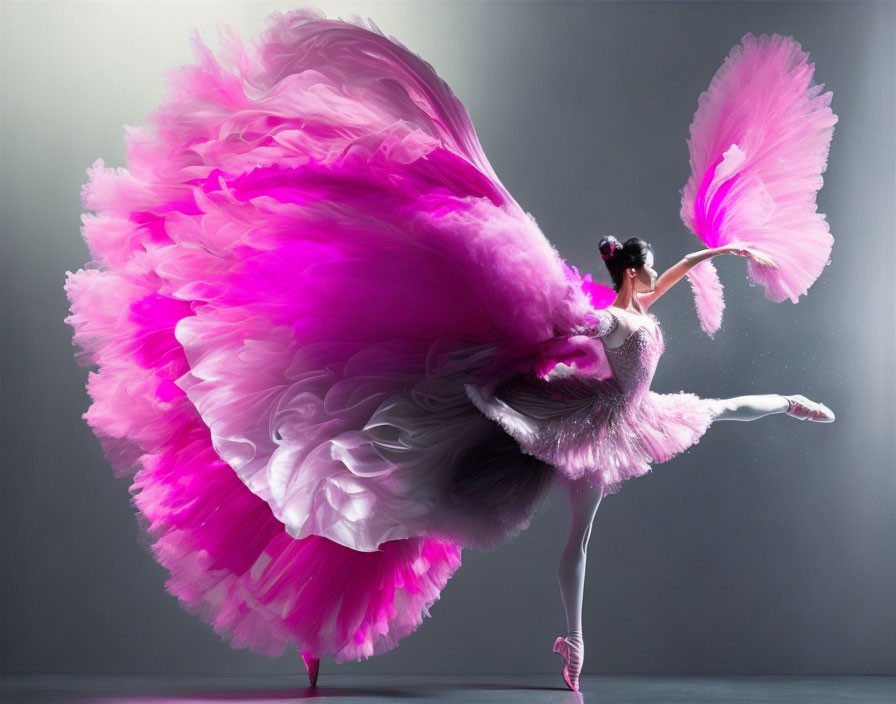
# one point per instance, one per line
(629, 302)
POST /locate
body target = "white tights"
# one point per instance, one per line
(749, 407)
(584, 500)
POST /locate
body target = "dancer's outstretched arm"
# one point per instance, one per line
(676, 273)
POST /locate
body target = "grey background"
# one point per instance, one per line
(767, 548)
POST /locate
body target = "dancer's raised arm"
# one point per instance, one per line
(675, 273)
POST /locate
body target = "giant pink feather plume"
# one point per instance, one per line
(759, 143)
(305, 258)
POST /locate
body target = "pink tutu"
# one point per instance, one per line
(602, 431)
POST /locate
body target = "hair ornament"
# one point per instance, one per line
(614, 245)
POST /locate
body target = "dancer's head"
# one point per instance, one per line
(629, 263)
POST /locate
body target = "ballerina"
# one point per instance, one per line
(603, 432)
(326, 334)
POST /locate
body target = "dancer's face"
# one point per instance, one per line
(645, 278)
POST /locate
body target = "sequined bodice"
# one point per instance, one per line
(634, 361)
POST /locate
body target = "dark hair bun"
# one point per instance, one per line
(608, 246)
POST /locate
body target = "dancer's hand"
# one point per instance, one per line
(744, 251)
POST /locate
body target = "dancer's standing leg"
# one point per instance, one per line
(583, 502)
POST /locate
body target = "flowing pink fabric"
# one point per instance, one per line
(759, 143)
(306, 258)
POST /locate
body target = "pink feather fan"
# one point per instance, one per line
(759, 143)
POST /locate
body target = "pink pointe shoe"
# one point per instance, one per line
(313, 666)
(804, 409)
(572, 649)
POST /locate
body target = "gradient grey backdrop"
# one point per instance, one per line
(767, 548)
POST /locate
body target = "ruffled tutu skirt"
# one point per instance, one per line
(591, 430)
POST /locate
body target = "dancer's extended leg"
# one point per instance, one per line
(749, 407)
(583, 502)
(759, 405)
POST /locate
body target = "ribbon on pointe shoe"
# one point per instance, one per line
(801, 407)
(572, 648)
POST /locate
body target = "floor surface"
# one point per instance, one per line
(469, 689)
